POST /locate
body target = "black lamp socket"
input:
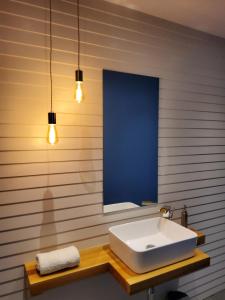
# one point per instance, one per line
(51, 118)
(79, 75)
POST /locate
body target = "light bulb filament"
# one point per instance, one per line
(79, 94)
(52, 134)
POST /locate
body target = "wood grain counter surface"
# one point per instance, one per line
(101, 259)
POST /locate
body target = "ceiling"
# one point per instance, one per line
(204, 15)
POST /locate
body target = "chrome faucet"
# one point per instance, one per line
(167, 212)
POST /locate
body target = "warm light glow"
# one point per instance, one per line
(52, 134)
(79, 94)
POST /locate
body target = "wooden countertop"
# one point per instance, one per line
(101, 259)
(200, 238)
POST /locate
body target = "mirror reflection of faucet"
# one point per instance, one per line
(147, 203)
(167, 212)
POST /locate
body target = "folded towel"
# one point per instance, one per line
(56, 260)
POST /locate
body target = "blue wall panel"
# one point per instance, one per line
(130, 166)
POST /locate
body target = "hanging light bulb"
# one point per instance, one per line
(52, 137)
(52, 132)
(79, 93)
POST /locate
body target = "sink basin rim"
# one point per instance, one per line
(113, 228)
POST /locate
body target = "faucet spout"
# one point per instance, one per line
(167, 212)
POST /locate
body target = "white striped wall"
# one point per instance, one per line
(52, 195)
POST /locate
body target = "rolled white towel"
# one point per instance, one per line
(56, 260)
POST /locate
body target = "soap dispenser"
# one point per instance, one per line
(184, 217)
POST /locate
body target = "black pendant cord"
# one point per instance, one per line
(50, 52)
(78, 33)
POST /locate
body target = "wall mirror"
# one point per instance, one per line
(130, 155)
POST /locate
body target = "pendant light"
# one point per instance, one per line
(52, 133)
(79, 94)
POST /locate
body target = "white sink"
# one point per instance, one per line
(152, 243)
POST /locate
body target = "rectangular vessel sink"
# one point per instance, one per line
(151, 243)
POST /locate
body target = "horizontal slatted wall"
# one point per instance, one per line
(51, 196)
